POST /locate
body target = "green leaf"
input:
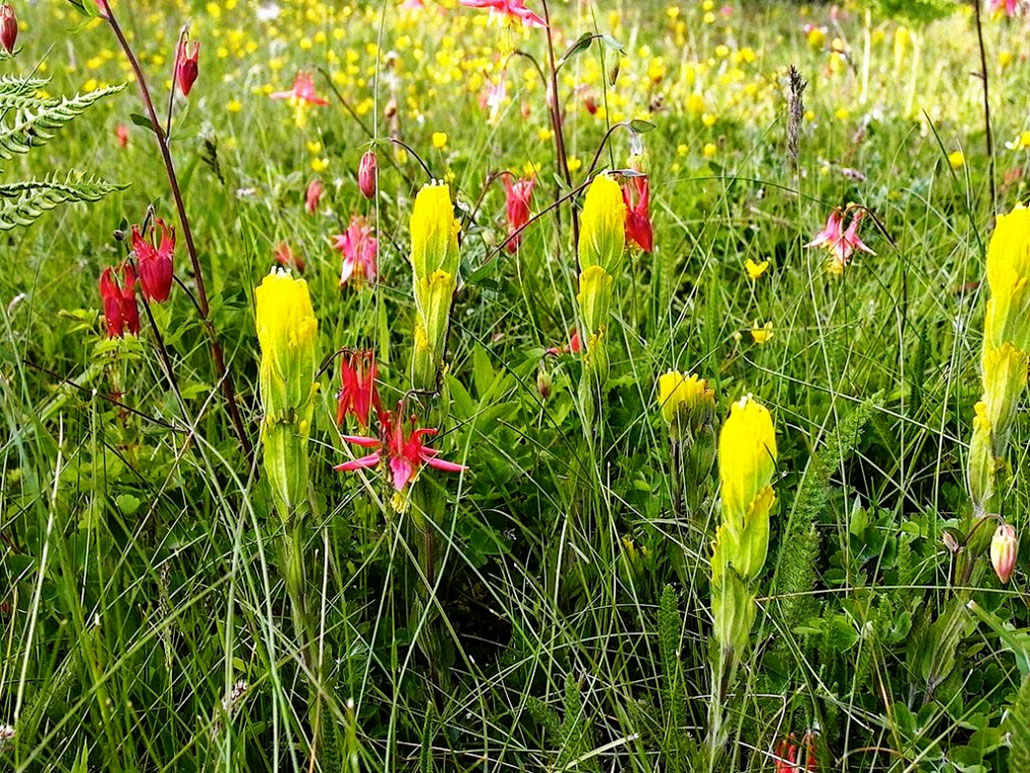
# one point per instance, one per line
(23, 202)
(35, 123)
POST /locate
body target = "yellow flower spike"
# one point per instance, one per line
(755, 270)
(287, 334)
(602, 226)
(595, 298)
(747, 457)
(434, 232)
(1008, 274)
(1004, 378)
(981, 459)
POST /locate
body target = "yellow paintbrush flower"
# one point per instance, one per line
(602, 226)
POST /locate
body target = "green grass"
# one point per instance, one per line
(567, 624)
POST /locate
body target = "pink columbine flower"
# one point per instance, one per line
(509, 9)
(636, 192)
(359, 248)
(121, 314)
(839, 241)
(518, 196)
(401, 448)
(303, 91)
(155, 264)
(313, 195)
(1009, 6)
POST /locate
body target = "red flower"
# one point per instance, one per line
(574, 346)
(359, 248)
(155, 264)
(358, 393)
(787, 759)
(119, 299)
(303, 91)
(591, 105)
(367, 174)
(121, 133)
(636, 192)
(402, 449)
(8, 27)
(313, 195)
(841, 243)
(287, 258)
(512, 9)
(186, 68)
(517, 199)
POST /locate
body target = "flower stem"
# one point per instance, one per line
(217, 356)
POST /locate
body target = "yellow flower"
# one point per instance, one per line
(816, 38)
(286, 328)
(677, 392)
(747, 458)
(709, 149)
(1022, 141)
(763, 334)
(1008, 275)
(682, 150)
(755, 270)
(314, 147)
(434, 232)
(439, 140)
(957, 159)
(602, 226)
(319, 164)
(234, 106)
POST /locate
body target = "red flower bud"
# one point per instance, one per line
(1004, 550)
(8, 27)
(367, 171)
(186, 67)
(313, 196)
(121, 133)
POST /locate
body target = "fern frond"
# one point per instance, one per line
(22, 203)
(35, 121)
(13, 87)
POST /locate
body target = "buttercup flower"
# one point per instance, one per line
(755, 270)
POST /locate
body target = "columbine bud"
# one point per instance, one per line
(8, 27)
(313, 195)
(186, 67)
(1004, 549)
(367, 170)
(544, 383)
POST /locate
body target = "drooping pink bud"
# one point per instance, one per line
(313, 195)
(367, 171)
(186, 67)
(1004, 550)
(8, 27)
(121, 133)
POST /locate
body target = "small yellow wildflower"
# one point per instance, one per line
(314, 147)
(755, 270)
(234, 106)
(682, 150)
(319, 164)
(439, 140)
(762, 334)
(957, 159)
(710, 149)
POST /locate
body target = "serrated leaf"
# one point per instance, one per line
(35, 124)
(22, 203)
